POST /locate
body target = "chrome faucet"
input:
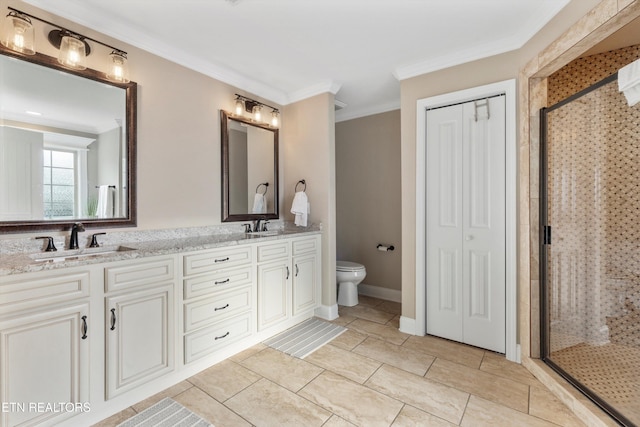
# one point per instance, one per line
(73, 240)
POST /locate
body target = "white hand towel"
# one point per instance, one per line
(629, 82)
(259, 204)
(105, 202)
(300, 208)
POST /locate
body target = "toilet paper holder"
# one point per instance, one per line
(384, 248)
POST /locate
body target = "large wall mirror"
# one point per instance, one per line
(249, 169)
(67, 146)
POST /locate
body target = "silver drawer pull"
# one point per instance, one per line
(221, 308)
(221, 259)
(221, 336)
(222, 281)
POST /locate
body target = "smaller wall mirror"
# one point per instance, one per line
(249, 169)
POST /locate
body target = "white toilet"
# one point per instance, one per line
(348, 275)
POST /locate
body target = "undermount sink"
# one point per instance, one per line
(78, 253)
(264, 233)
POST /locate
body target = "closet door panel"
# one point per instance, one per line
(444, 223)
(484, 231)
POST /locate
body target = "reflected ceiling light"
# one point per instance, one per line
(73, 46)
(19, 33)
(244, 104)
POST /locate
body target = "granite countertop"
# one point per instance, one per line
(25, 262)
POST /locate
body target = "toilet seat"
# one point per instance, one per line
(348, 266)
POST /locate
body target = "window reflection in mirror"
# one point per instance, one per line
(250, 169)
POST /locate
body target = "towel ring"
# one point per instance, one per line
(303, 182)
(266, 187)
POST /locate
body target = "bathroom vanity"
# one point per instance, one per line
(91, 335)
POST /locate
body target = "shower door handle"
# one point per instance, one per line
(546, 235)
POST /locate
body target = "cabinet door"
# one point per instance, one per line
(273, 293)
(140, 328)
(44, 359)
(305, 283)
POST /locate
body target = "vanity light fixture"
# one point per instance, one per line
(239, 106)
(19, 33)
(257, 113)
(119, 71)
(73, 52)
(244, 104)
(73, 46)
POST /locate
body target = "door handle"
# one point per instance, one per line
(113, 319)
(85, 328)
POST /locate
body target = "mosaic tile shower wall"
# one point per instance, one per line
(593, 278)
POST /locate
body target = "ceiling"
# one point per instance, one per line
(288, 50)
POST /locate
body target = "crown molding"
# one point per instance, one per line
(343, 115)
(316, 89)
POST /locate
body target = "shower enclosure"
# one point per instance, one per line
(590, 248)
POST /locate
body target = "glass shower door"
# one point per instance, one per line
(590, 254)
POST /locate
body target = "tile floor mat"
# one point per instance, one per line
(305, 338)
(610, 370)
(166, 413)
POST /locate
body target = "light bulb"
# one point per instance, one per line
(19, 34)
(72, 53)
(274, 118)
(119, 71)
(239, 106)
(257, 113)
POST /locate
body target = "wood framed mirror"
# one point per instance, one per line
(67, 145)
(249, 169)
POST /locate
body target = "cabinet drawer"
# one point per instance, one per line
(215, 308)
(42, 288)
(216, 259)
(138, 274)
(215, 337)
(305, 246)
(213, 282)
(273, 251)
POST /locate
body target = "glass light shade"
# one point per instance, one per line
(19, 34)
(274, 119)
(257, 113)
(239, 107)
(119, 71)
(72, 53)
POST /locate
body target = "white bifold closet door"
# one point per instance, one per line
(466, 223)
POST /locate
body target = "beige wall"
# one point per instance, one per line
(368, 195)
(310, 155)
(472, 74)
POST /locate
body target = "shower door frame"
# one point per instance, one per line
(546, 235)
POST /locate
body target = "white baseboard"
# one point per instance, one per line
(327, 312)
(380, 292)
(407, 325)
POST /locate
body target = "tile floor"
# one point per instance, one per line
(371, 375)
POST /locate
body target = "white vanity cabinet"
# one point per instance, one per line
(108, 334)
(45, 330)
(139, 322)
(306, 274)
(219, 299)
(288, 280)
(274, 283)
